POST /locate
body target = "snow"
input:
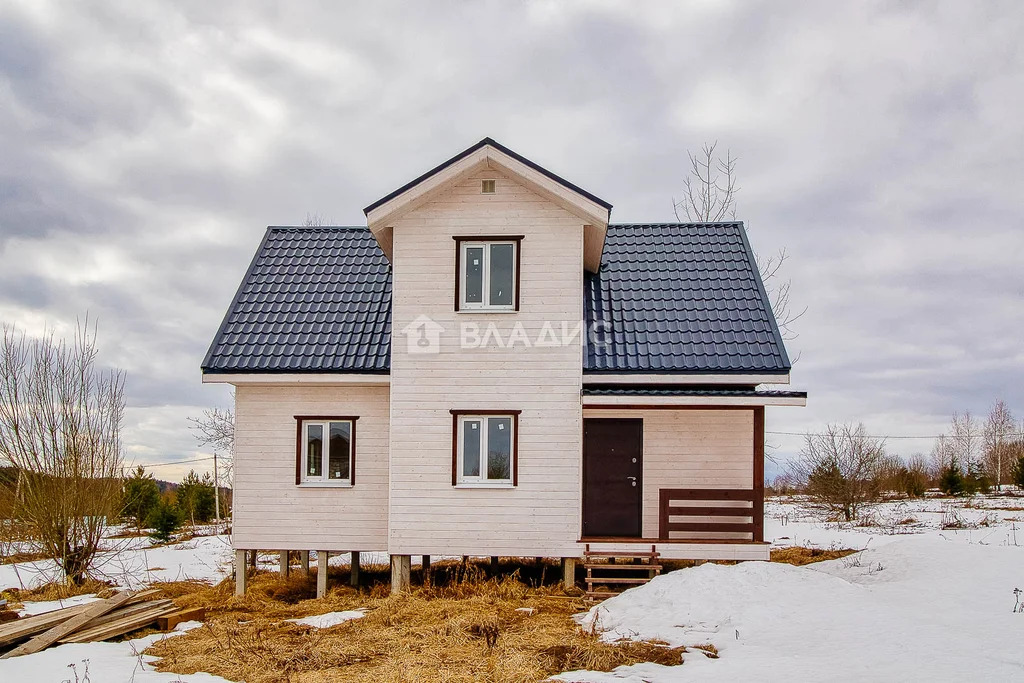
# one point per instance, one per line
(134, 562)
(917, 604)
(40, 606)
(106, 662)
(330, 619)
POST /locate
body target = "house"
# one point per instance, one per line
(490, 367)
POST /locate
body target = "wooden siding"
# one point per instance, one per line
(540, 516)
(691, 449)
(270, 511)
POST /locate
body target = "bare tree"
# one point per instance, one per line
(965, 433)
(315, 220)
(60, 424)
(841, 467)
(999, 440)
(216, 429)
(709, 195)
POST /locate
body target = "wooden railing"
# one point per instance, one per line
(732, 511)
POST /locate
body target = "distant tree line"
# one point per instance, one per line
(844, 468)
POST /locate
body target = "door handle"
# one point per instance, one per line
(632, 480)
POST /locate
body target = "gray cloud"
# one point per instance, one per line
(145, 147)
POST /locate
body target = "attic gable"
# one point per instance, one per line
(487, 154)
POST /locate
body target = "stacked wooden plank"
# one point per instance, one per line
(100, 620)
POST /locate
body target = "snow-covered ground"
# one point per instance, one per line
(919, 602)
(929, 596)
(134, 563)
(99, 662)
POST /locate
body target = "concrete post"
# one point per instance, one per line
(304, 562)
(321, 573)
(401, 566)
(426, 569)
(353, 578)
(240, 575)
(284, 563)
(569, 572)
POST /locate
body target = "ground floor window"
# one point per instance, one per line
(326, 451)
(484, 448)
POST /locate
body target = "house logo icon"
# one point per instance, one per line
(423, 335)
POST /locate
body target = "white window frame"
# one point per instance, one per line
(485, 305)
(483, 481)
(324, 480)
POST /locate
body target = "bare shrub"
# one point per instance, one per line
(841, 467)
(60, 422)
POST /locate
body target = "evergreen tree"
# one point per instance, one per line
(139, 495)
(164, 519)
(951, 481)
(195, 497)
(1017, 471)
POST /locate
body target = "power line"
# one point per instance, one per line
(175, 462)
(901, 436)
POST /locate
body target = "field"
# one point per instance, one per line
(921, 589)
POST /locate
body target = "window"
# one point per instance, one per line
(487, 271)
(487, 187)
(485, 446)
(326, 452)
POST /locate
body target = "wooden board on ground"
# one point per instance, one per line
(119, 627)
(166, 623)
(29, 626)
(47, 638)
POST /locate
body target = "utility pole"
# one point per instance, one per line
(216, 493)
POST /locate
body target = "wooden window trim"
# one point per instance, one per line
(514, 414)
(459, 239)
(299, 436)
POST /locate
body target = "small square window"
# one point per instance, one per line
(326, 451)
(487, 275)
(485, 449)
(487, 187)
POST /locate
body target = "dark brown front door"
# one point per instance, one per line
(612, 477)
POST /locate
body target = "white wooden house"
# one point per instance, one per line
(490, 368)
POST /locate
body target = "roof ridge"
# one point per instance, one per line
(676, 223)
(317, 227)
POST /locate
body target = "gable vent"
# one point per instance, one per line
(487, 187)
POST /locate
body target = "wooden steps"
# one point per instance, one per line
(604, 570)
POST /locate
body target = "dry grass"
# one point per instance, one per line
(463, 628)
(800, 556)
(59, 591)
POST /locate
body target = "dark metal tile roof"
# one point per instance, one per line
(313, 300)
(681, 297)
(728, 391)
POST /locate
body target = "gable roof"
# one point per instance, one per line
(470, 150)
(489, 156)
(313, 300)
(679, 298)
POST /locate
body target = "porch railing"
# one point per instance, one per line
(736, 512)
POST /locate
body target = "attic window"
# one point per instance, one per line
(487, 187)
(487, 273)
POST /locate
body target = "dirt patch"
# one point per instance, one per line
(800, 556)
(464, 627)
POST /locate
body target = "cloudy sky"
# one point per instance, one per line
(145, 146)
